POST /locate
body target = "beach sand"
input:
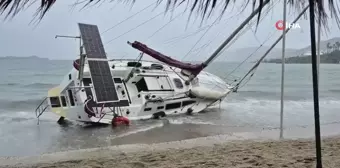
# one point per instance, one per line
(195, 153)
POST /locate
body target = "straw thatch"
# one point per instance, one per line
(10, 8)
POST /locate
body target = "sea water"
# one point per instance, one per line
(255, 107)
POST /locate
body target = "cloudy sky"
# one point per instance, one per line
(178, 38)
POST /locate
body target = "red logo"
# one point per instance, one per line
(279, 25)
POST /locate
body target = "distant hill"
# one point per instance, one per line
(241, 54)
(330, 58)
(21, 57)
(323, 46)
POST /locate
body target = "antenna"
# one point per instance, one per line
(81, 54)
(67, 36)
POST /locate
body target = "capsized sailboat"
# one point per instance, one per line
(97, 90)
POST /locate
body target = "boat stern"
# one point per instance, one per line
(55, 102)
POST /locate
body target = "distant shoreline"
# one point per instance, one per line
(329, 58)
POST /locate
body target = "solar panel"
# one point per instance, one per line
(102, 81)
(100, 72)
(92, 42)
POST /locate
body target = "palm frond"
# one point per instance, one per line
(203, 7)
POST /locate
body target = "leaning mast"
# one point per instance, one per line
(220, 48)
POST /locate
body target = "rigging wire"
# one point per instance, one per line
(199, 30)
(236, 37)
(209, 42)
(131, 16)
(252, 22)
(241, 33)
(251, 71)
(209, 27)
(177, 16)
(198, 41)
(134, 28)
(233, 41)
(171, 40)
(252, 54)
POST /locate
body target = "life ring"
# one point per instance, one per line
(76, 64)
(89, 112)
(120, 120)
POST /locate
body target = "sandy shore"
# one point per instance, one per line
(193, 153)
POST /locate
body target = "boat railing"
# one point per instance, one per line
(151, 61)
(41, 108)
(79, 88)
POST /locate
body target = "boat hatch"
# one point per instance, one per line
(156, 66)
(156, 83)
(134, 64)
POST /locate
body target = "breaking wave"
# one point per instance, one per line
(40, 85)
(9, 105)
(334, 90)
(37, 85)
(267, 112)
(23, 116)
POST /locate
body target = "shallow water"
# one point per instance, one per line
(256, 106)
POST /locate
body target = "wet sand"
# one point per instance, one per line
(201, 152)
(260, 149)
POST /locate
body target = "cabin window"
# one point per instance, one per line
(55, 102)
(173, 106)
(134, 64)
(148, 109)
(117, 80)
(178, 83)
(63, 101)
(160, 107)
(69, 76)
(156, 66)
(185, 103)
(141, 85)
(153, 83)
(70, 96)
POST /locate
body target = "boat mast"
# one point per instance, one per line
(268, 51)
(283, 60)
(220, 48)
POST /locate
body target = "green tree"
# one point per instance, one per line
(337, 45)
(334, 47)
(329, 47)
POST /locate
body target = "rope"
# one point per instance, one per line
(232, 42)
(134, 28)
(215, 37)
(243, 31)
(181, 38)
(131, 16)
(209, 27)
(164, 25)
(252, 54)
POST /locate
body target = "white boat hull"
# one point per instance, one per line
(166, 94)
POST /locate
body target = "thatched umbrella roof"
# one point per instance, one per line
(11, 7)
